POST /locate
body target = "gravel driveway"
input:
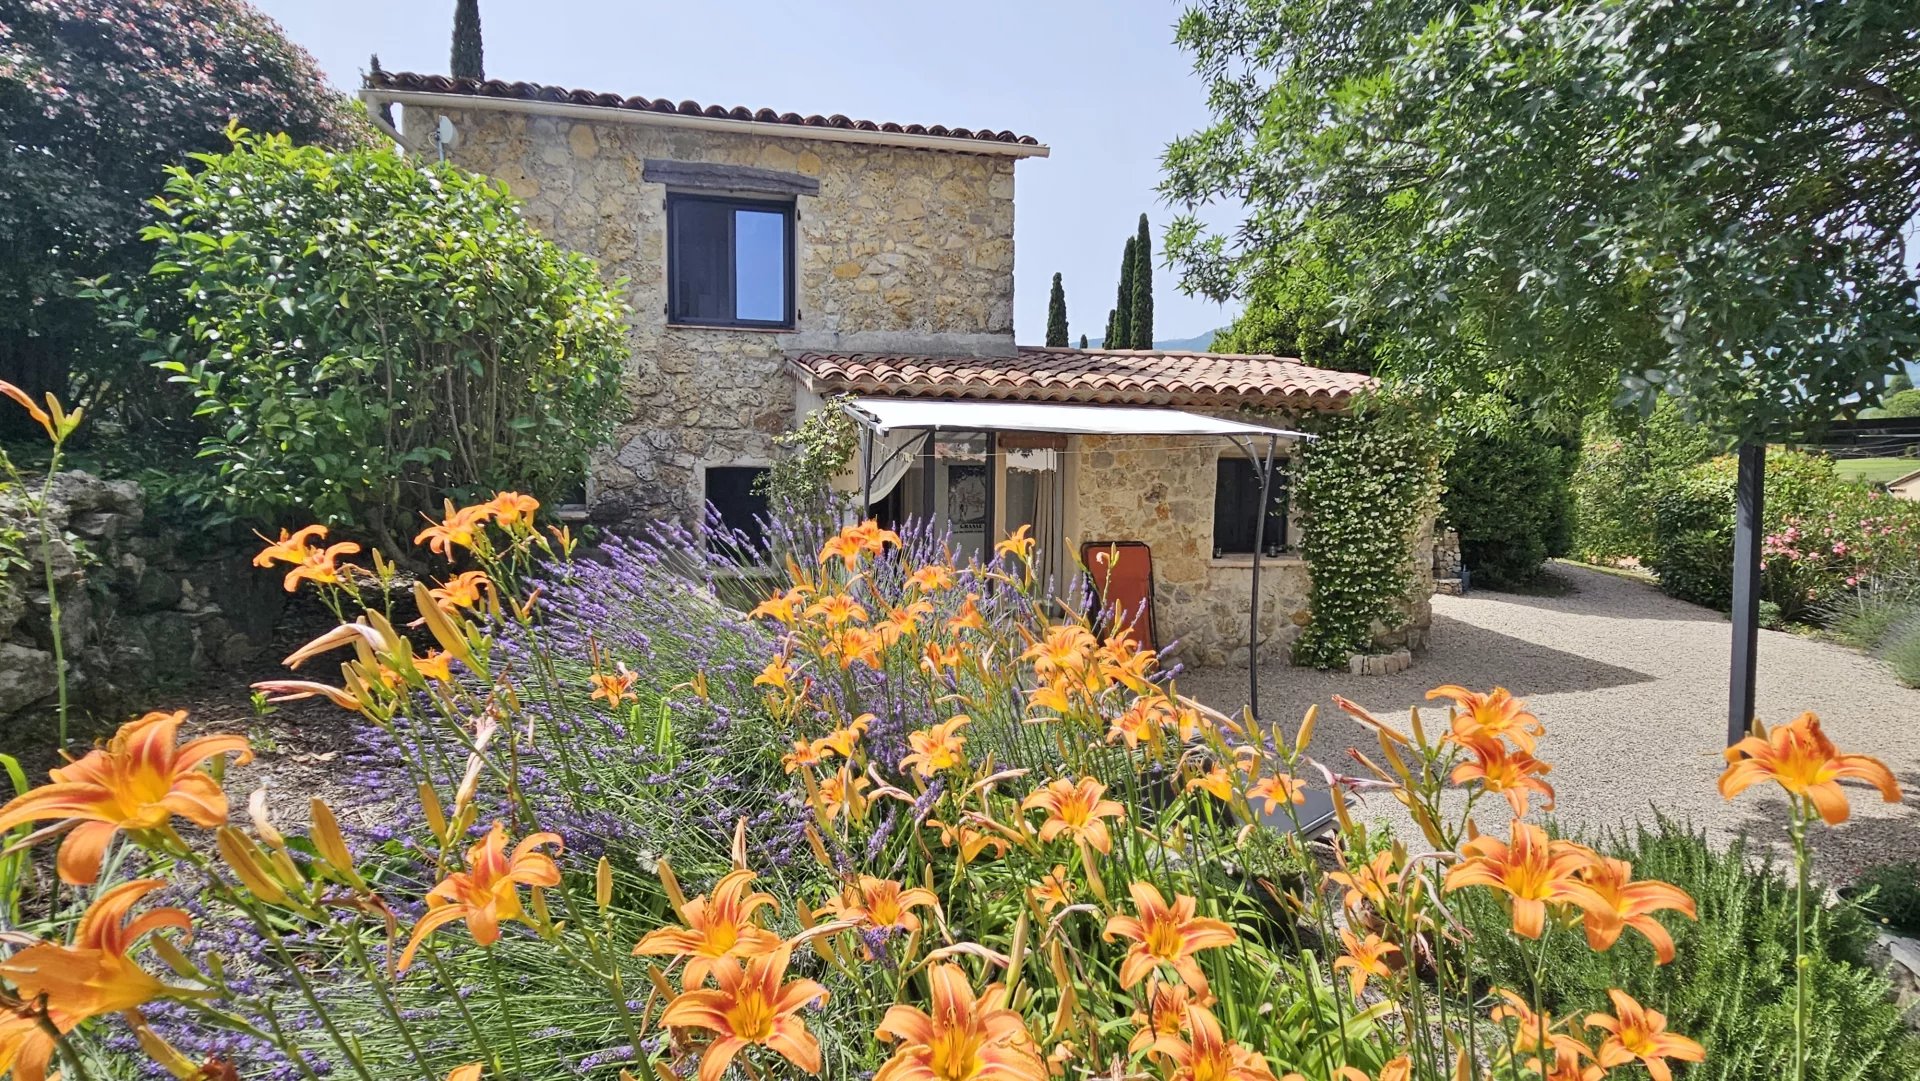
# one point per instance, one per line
(1632, 688)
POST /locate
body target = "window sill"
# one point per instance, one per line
(1239, 561)
(736, 330)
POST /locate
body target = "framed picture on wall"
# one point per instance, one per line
(967, 497)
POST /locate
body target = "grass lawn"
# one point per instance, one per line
(1876, 470)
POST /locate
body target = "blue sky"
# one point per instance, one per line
(1100, 83)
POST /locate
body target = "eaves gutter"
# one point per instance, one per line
(608, 115)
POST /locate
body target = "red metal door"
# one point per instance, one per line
(1123, 585)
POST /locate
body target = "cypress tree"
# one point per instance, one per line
(1057, 315)
(1106, 340)
(1122, 337)
(1083, 341)
(1141, 334)
(469, 59)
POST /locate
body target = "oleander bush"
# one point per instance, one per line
(1823, 535)
(902, 818)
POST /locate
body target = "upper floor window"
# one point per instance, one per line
(729, 262)
(1236, 507)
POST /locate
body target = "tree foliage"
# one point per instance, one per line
(1509, 497)
(365, 336)
(1057, 315)
(96, 98)
(468, 58)
(1291, 312)
(1570, 200)
(1121, 336)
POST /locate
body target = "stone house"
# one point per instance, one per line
(773, 260)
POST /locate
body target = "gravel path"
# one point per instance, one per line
(1631, 686)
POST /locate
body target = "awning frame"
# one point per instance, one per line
(1080, 419)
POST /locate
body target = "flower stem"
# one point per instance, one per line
(1800, 958)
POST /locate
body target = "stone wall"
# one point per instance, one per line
(135, 610)
(902, 249)
(1159, 490)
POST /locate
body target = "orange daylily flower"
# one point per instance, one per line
(487, 893)
(968, 840)
(938, 748)
(1275, 789)
(969, 617)
(319, 567)
(290, 548)
(1635, 1032)
(718, 925)
(784, 607)
(842, 792)
(437, 665)
(95, 975)
(880, 903)
(864, 539)
(464, 590)
(844, 739)
(138, 781)
(1076, 809)
(1165, 934)
(1567, 1066)
(1493, 715)
(1372, 884)
(806, 752)
(836, 609)
(1208, 1055)
(855, 644)
(1018, 544)
(751, 1007)
(511, 509)
(1216, 782)
(963, 1037)
(931, 578)
(26, 1047)
(938, 658)
(1801, 759)
(777, 674)
(1165, 1015)
(471, 1071)
(1626, 903)
(1510, 773)
(1533, 871)
(1128, 663)
(40, 416)
(458, 529)
(1531, 1028)
(1053, 890)
(1366, 957)
(1065, 650)
(615, 686)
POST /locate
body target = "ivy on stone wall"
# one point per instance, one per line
(1362, 490)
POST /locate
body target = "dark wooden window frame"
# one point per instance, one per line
(783, 207)
(1280, 503)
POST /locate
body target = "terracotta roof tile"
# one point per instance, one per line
(1118, 377)
(495, 88)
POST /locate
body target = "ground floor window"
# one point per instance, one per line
(1236, 507)
(733, 491)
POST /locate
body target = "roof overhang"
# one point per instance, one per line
(1059, 418)
(605, 114)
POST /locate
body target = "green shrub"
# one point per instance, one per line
(1508, 496)
(1890, 895)
(1625, 462)
(1904, 403)
(1862, 617)
(367, 336)
(1731, 983)
(1900, 648)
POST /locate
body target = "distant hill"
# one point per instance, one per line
(1199, 343)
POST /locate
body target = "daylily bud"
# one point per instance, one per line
(436, 817)
(332, 846)
(245, 860)
(262, 824)
(1305, 735)
(603, 885)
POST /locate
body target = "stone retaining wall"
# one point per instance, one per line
(135, 609)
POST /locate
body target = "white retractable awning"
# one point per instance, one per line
(917, 414)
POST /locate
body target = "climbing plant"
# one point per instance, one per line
(812, 455)
(1362, 489)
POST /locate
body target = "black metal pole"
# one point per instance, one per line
(1749, 506)
(866, 474)
(1253, 603)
